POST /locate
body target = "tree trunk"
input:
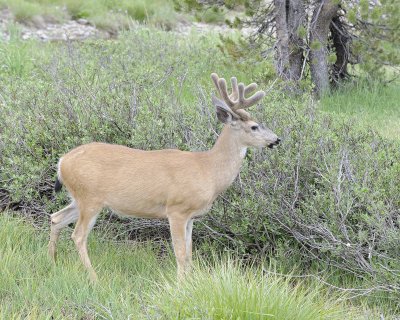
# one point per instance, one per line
(295, 19)
(341, 42)
(282, 44)
(319, 31)
(289, 16)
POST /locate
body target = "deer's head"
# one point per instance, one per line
(230, 111)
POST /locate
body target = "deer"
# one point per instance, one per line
(168, 184)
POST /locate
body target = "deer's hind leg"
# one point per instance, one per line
(181, 234)
(87, 219)
(59, 221)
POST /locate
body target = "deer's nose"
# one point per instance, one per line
(277, 141)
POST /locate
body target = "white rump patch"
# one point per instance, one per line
(59, 170)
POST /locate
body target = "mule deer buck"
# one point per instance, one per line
(172, 184)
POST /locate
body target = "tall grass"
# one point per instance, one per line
(227, 290)
(135, 283)
(372, 103)
(31, 286)
(16, 56)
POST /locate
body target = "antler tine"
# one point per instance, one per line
(221, 86)
(242, 99)
(235, 93)
(237, 100)
(215, 79)
(253, 99)
(224, 93)
(244, 103)
(250, 88)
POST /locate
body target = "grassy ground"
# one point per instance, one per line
(108, 15)
(135, 283)
(371, 104)
(105, 14)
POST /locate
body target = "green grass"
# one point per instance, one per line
(111, 15)
(234, 292)
(31, 286)
(371, 104)
(211, 15)
(135, 283)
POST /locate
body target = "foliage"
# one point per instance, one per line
(134, 283)
(361, 33)
(327, 198)
(376, 35)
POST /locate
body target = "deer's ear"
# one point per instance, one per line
(224, 113)
(224, 116)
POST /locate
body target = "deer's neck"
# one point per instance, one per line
(226, 158)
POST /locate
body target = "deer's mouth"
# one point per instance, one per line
(274, 144)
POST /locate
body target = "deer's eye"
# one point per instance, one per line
(254, 128)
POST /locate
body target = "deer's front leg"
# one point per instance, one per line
(177, 226)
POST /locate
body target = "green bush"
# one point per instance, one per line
(329, 196)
